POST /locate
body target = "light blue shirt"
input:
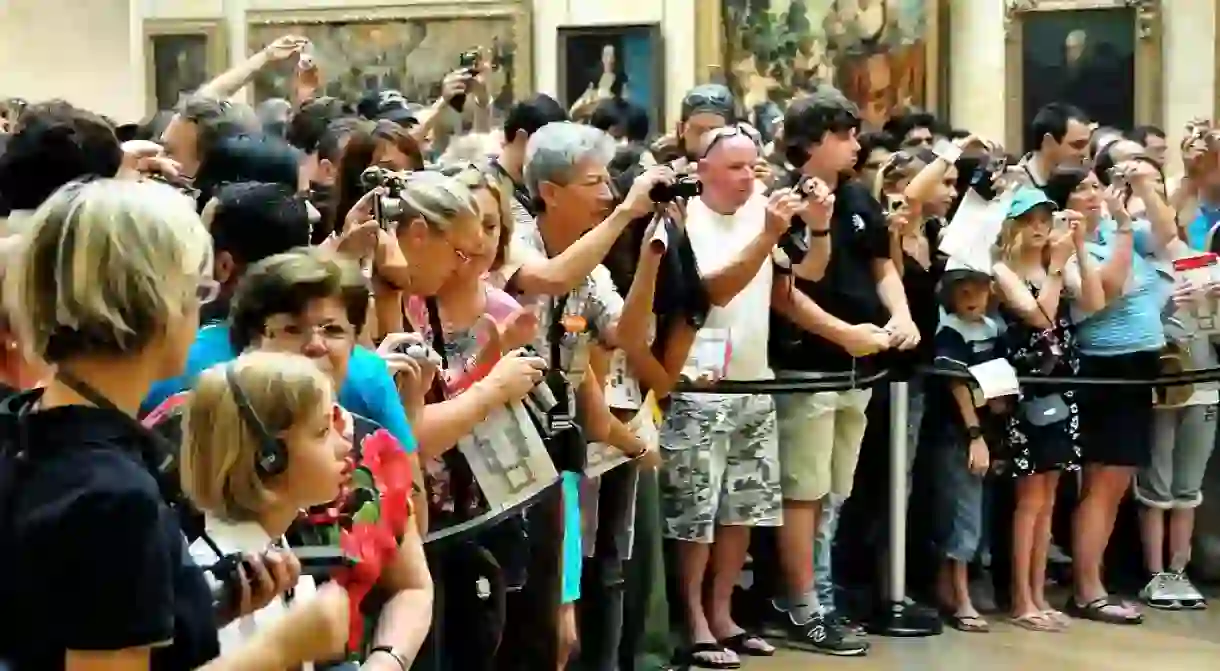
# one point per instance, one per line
(1200, 226)
(1131, 322)
(368, 391)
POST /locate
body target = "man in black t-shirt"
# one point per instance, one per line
(835, 324)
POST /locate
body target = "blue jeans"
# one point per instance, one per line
(823, 543)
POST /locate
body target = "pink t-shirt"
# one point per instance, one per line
(462, 347)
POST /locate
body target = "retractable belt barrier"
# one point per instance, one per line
(802, 382)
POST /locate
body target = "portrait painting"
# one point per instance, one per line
(406, 52)
(180, 58)
(1099, 55)
(881, 53)
(604, 62)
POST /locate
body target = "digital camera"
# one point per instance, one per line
(683, 187)
(389, 204)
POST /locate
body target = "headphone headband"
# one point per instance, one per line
(271, 451)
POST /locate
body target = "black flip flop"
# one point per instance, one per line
(689, 658)
(740, 644)
(1095, 610)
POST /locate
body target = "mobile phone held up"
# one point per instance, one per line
(468, 61)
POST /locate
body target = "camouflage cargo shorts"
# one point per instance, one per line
(721, 457)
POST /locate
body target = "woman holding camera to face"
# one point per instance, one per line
(1123, 340)
(313, 302)
(107, 287)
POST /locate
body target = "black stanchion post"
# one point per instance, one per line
(898, 618)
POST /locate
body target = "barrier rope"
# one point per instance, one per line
(801, 382)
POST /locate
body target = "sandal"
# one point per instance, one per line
(1057, 617)
(1036, 621)
(1107, 610)
(701, 656)
(745, 643)
(971, 624)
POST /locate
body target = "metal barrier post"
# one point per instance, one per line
(900, 618)
(899, 407)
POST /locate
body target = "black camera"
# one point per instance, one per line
(468, 61)
(224, 580)
(388, 205)
(683, 187)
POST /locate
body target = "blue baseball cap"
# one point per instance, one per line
(1027, 198)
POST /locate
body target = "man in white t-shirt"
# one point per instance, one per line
(721, 473)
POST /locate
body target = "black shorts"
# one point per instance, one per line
(1116, 421)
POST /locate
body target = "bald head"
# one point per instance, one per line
(718, 144)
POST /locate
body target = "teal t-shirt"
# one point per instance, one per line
(1198, 228)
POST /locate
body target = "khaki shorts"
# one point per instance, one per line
(819, 442)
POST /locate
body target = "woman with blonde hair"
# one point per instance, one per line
(107, 288)
(1047, 283)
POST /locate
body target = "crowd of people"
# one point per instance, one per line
(256, 367)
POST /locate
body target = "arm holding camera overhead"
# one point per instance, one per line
(1140, 175)
(230, 82)
(923, 186)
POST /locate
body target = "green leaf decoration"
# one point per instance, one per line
(368, 514)
(363, 478)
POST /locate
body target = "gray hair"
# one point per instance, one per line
(104, 267)
(437, 199)
(555, 150)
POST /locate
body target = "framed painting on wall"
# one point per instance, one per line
(1103, 56)
(408, 47)
(885, 55)
(602, 62)
(181, 56)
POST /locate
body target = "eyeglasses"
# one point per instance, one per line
(300, 334)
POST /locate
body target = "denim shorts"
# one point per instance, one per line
(959, 502)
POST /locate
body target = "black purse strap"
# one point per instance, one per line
(438, 330)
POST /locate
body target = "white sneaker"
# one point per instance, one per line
(1185, 592)
(1160, 592)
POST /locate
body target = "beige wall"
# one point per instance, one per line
(97, 59)
(89, 59)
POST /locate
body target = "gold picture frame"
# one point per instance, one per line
(1146, 78)
(711, 53)
(393, 47)
(179, 57)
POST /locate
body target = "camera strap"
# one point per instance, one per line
(520, 193)
(438, 330)
(561, 417)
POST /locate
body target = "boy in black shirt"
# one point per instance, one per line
(833, 324)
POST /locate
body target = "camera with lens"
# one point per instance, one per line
(224, 580)
(388, 205)
(683, 187)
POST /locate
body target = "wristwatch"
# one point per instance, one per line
(403, 660)
(819, 232)
(974, 432)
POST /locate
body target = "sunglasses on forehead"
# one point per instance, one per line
(718, 135)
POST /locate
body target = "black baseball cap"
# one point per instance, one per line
(709, 99)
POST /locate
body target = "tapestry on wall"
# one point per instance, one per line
(876, 51)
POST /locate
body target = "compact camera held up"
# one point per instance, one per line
(388, 204)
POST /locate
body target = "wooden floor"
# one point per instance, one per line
(1181, 641)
